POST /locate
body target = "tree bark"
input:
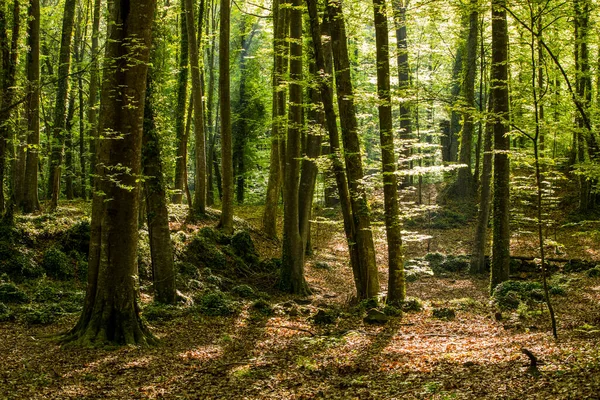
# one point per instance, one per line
(32, 110)
(199, 206)
(292, 260)
(500, 108)
(226, 221)
(9, 52)
(182, 82)
(93, 91)
(161, 248)
(269, 219)
(369, 287)
(111, 312)
(59, 121)
(396, 283)
(465, 181)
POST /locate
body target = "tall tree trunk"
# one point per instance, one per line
(352, 154)
(292, 260)
(32, 110)
(62, 89)
(500, 100)
(269, 219)
(396, 284)
(465, 182)
(478, 257)
(325, 85)
(399, 9)
(210, 123)
(111, 312)
(161, 248)
(68, 135)
(93, 91)
(226, 222)
(80, 39)
(182, 83)
(9, 56)
(199, 206)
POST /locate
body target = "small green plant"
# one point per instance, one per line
(444, 313)
(411, 304)
(161, 312)
(5, 313)
(244, 291)
(11, 293)
(263, 306)
(392, 311)
(57, 264)
(44, 315)
(217, 304)
(509, 294)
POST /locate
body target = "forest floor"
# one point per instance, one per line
(286, 354)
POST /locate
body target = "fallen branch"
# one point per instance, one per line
(292, 328)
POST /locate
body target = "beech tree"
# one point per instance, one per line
(111, 312)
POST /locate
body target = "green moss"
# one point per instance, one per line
(161, 312)
(392, 311)
(244, 291)
(412, 304)
(5, 313)
(243, 246)
(508, 295)
(57, 264)
(594, 272)
(77, 238)
(215, 235)
(43, 315)
(262, 306)
(204, 253)
(444, 313)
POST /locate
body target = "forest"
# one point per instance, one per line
(288, 199)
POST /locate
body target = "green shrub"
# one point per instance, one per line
(10, 293)
(43, 315)
(217, 304)
(455, 264)
(77, 238)
(5, 313)
(18, 262)
(435, 259)
(244, 291)
(508, 295)
(215, 235)
(161, 312)
(392, 311)
(594, 272)
(243, 246)
(57, 264)
(46, 293)
(262, 306)
(203, 253)
(411, 304)
(269, 264)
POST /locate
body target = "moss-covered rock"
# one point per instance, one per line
(57, 264)
(202, 252)
(243, 246)
(77, 238)
(217, 304)
(444, 313)
(244, 291)
(594, 272)
(510, 294)
(215, 235)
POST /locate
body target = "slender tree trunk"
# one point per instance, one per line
(226, 222)
(62, 89)
(465, 182)
(9, 56)
(182, 83)
(111, 312)
(292, 260)
(80, 39)
(161, 248)
(93, 93)
(500, 99)
(352, 154)
(399, 9)
(478, 257)
(199, 206)
(396, 285)
(269, 220)
(210, 124)
(68, 135)
(32, 110)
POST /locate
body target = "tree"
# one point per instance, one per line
(199, 206)
(182, 84)
(292, 260)
(226, 221)
(111, 313)
(500, 109)
(9, 56)
(396, 286)
(30, 202)
(93, 87)
(368, 284)
(62, 88)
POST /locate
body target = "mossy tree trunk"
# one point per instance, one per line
(161, 248)
(269, 219)
(226, 221)
(500, 108)
(182, 84)
(369, 279)
(30, 201)
(8, 69)
(292, 269)
(111, 312)
(60, 107)
(396, 284)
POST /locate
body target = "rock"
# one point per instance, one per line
(322, 265)
(375, 317)
(323, 317)
(444, 313)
